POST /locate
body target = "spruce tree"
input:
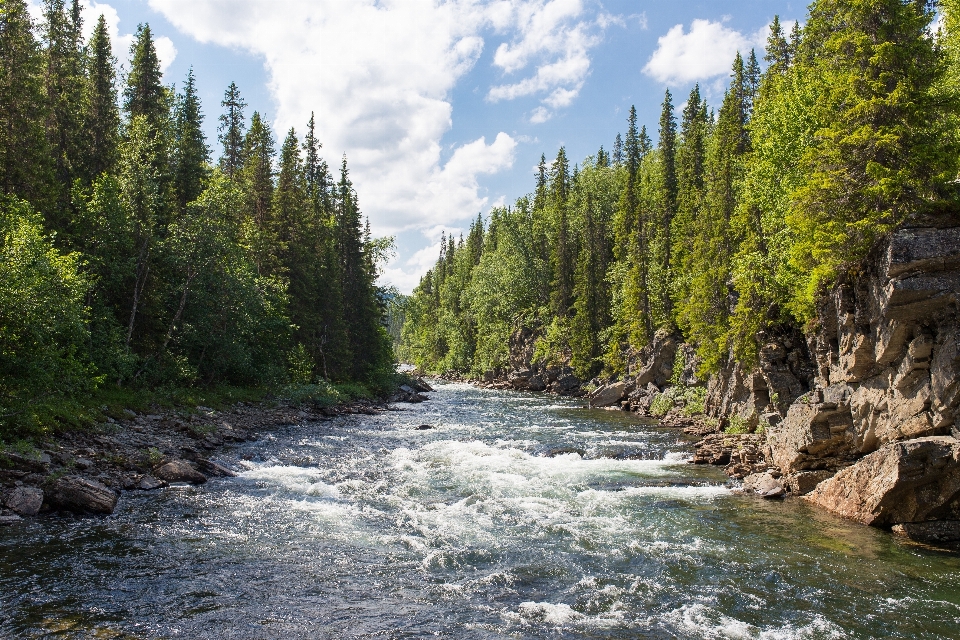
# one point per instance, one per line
(562, 255)
(256, 176)
(102, 117)
(231, 130)
(24, 157)
(64, 91)
(145, 94)
(777, 55)
(618, 151)
(190, 155)
(667, 147)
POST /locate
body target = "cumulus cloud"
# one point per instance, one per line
(166, 51)
(704, 52)
(556, 38)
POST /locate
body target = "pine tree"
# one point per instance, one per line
(24, 157)
(231, 131)
(190, 153)
(102, 117)
(617, 151)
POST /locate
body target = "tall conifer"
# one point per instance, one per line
(102, 117)
(190, 156)
(231, 130)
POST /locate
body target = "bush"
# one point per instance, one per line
(44, 364)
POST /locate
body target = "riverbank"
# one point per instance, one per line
(84, 471)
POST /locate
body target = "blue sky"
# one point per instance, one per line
(443, 108)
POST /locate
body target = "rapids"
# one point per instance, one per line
(517, 516)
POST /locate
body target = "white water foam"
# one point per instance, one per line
(703, 622)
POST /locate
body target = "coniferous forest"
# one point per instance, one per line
(729, 225)
(132, 258)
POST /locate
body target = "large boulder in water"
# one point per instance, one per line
(610, 394)
(910, 481)
(82, 495)
(179, 471)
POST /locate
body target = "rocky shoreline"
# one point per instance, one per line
(85, 472)
(857, 415)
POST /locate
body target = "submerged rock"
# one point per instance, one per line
(10, 519)
(936, 532)
(423, 427)
(179, 471)
(910, 481)
(82, 495)
(763, 485)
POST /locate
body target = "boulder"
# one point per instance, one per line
(26, 501)
(609, 395)
(910, 481)
(817, 432)
(179, 471)
(81, 495)
(421, 385)
(801, 483)
(536, 383)
(567, 384)
(407, 389)
(212, 468)
(149, 483)
(763, 485)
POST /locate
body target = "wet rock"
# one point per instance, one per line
(553, 452)
(942, 532)
(908, 481)
(424, 427)
(9, 519)
(407, 389)
(609, 395)
(179, 471)
(81, 495)
(212, 468)
(801, 483)
(149, 483)
(419, 384)
(763, 485)
(25, 501)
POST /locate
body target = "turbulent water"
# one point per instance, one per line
(517, 516)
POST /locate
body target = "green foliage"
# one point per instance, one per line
(738, 425)
(43, 324)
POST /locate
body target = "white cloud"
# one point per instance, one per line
(705, 52)
(166, 51)
(555, 36)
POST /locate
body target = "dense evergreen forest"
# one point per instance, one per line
(731, 223)
(130, 258)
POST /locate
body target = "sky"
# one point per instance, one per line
(443, 108)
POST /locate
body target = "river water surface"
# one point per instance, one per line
(517, 516)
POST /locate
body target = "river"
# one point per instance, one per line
(517, 516)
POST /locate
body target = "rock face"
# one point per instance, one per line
(82, 495)
(25, 501)
(912, 481)
(179, 471)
